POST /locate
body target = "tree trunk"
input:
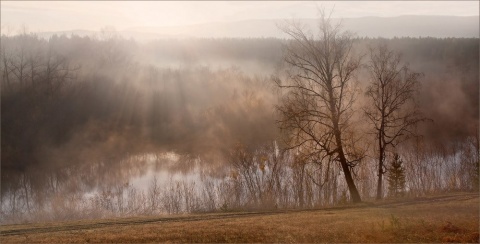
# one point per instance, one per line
(351, 185)
(346, 171)
(379, 183)
(341, 155)
(380, 170)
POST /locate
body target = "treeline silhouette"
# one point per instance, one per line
(81, 114)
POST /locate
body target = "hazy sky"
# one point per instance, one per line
(93, 15)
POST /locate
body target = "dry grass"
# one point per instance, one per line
(455, 219)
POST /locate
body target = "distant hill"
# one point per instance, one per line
(388, 27)
(415, 26)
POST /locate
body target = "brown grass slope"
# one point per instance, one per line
(448, 218)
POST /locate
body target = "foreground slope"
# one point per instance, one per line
(448, 218)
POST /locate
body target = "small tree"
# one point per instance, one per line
(396, 177)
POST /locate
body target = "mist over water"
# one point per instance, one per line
(116, 112)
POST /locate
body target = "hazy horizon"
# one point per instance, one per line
(48, 16)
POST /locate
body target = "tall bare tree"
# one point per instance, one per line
(317, 109)
(392, 109)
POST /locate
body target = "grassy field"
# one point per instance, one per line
(448, 218)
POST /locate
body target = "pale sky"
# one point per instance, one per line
(94, 15)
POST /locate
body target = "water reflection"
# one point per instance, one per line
(168, 167)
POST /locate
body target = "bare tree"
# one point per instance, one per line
(317, 109)
(154, 194)
(392, 109)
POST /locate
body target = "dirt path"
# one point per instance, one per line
(11, 230)
(69, 227)
(455, 197)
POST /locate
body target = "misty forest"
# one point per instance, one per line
(106, 126)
